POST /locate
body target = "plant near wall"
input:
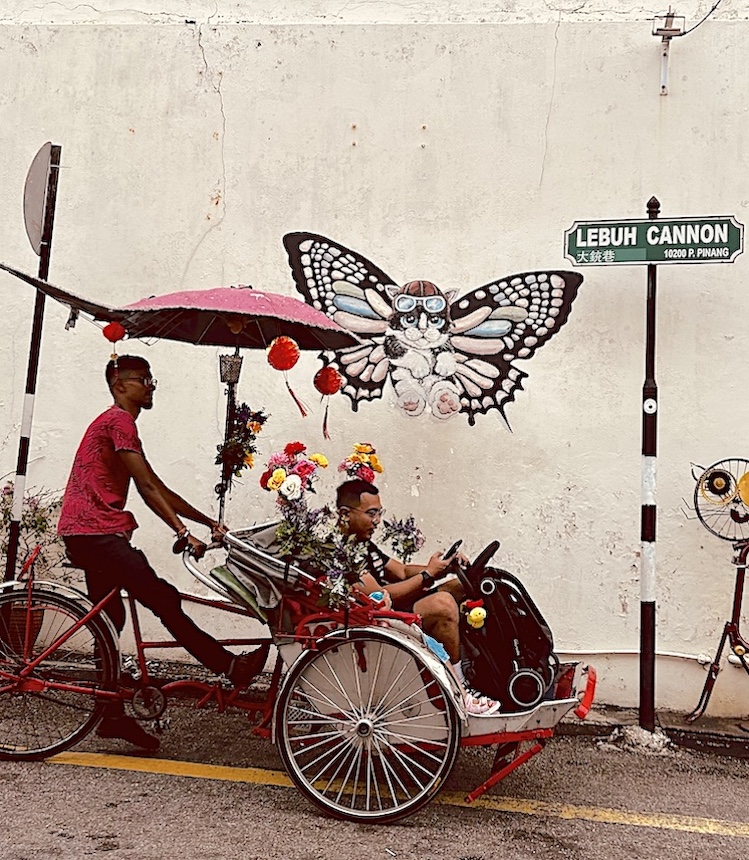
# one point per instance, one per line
(404, 536)
(41, 510)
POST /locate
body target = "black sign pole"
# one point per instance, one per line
(19, 487)
(648, 508)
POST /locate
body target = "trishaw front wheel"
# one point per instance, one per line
(49, 704)
(365, 729)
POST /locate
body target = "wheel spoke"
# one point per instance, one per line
(335, 678)
(355, 760)
(339, 749)
(323, 698)
(388, 769)
(414, 694)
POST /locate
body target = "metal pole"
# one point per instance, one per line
(648, 509)
(231, 367)
(19, 487)
(225, 474)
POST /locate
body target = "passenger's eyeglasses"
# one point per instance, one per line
(372, 513)
(147, 381)
(404, 302)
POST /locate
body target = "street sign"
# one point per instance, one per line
(718, 239)
(35, 196)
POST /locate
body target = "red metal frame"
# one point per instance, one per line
(731, 632)
(304, 607)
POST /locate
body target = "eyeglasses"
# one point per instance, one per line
(404, 303)
(372, 513)
(147, 381)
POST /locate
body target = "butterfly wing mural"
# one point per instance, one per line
(444, 354)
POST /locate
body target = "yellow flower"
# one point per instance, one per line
(320, 459)
(374, 462)
(358, 458)
(276, 479)
(249, 460)
(363, 448)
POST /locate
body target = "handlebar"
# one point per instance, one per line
(182, 544)
(188, 559)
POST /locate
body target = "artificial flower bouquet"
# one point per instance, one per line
(311, 535)
(238, 451)
(362, 463)
(292, 472)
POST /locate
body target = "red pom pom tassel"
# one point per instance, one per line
(327, 381)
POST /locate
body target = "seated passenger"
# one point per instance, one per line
(359, 513)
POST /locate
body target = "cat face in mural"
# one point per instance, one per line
(721, 499)
(444, 354)
(421, 316)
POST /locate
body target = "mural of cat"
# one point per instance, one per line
(444, 354)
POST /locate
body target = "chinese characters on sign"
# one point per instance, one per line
(686, 240)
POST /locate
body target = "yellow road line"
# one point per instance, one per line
(601, 814)
(175, 768)
(523, 806)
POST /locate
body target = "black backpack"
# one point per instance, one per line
(511, 657)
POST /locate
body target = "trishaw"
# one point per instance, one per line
(367, 718)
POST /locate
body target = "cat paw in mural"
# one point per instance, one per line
(444, 354)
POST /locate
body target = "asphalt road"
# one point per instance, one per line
(576, 799)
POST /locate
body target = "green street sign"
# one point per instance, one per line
(718, 239)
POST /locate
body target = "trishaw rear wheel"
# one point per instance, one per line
(365, 729)
(50, 708)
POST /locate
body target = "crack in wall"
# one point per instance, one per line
(213, 79)
(551, 100)
(100, 14)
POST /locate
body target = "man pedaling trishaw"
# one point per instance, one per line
(97, 531)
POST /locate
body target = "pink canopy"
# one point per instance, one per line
(237, 316)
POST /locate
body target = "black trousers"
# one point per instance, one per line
(109, 562)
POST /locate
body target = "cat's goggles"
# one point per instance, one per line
(404, 302)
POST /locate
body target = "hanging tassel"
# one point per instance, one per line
(283, 354)
(114, 332)
(302, 408)
(327, 381)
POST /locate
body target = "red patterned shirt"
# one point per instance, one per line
(96, 492)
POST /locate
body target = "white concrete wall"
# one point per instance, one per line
(454, 142)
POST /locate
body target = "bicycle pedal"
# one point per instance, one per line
(130, 670)
(161, 725)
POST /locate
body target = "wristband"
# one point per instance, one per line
(427, 580)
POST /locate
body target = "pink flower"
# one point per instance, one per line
(304, 468)
(278, 459)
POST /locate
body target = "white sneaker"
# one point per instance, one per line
(478, 705)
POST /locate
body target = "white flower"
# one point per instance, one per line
(291, 488)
